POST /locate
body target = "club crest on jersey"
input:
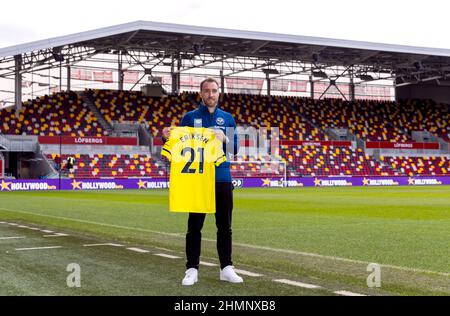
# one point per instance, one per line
(220, 121)
(198, 122)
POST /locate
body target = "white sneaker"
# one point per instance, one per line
(191, 277)
(228, 274)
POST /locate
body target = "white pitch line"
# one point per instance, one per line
(3, 223)
(38, 248)
(167, 256)
(23, 226)
(138, 250)
(236, 244)
(347, 293)
(208, 264)
(12, 237)
(107, 244)
(34, 228)
(248, 273)
(47, 231)
(57, 235)
(13, 224)
(164, 249)
(300, 284)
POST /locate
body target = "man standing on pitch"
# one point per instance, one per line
(209, 115)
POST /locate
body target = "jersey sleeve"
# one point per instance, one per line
(166, 150)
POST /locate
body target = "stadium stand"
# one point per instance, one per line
(57, 114)
(121, 106)
(419, 115)
(269, 111)
(419, 166)
(300, 119)
(333, 161)
(367, 120)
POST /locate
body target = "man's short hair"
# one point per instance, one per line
(210, 79)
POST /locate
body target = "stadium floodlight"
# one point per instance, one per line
(319, 74)
(57, 55)
(269, 71)
(198, 49)
(315, 57)
(418, 65)
(365, 77)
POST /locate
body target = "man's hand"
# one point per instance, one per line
(220, 135)
(166, 131)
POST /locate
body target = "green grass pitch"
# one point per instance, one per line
(321, 236)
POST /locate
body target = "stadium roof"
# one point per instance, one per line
(188, 41)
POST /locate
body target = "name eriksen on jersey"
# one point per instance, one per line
(199, 137)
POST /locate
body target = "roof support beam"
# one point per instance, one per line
(258, 47)
(129, 38)
(119, 69)
(268, 63)
(18, 82)
(205, 63)
(69, 72)
(352, 84)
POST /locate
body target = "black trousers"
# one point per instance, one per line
(224, 208)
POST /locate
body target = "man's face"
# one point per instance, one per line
(210, 94)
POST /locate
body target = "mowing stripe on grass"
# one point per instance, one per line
(105, 244)
(299, 284)
(12, 237)
(97, 223)
(347, 293)
(38, 248)
(248, 273)
(237, 244)
(208, 264)
(167, 256)
(138, 250)
(309, 254)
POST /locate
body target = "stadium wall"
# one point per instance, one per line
(145, 183)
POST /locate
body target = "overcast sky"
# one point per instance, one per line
(413, 22)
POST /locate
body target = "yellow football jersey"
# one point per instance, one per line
(193, 154)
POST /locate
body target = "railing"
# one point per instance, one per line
(22, 143)
(4, 143)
